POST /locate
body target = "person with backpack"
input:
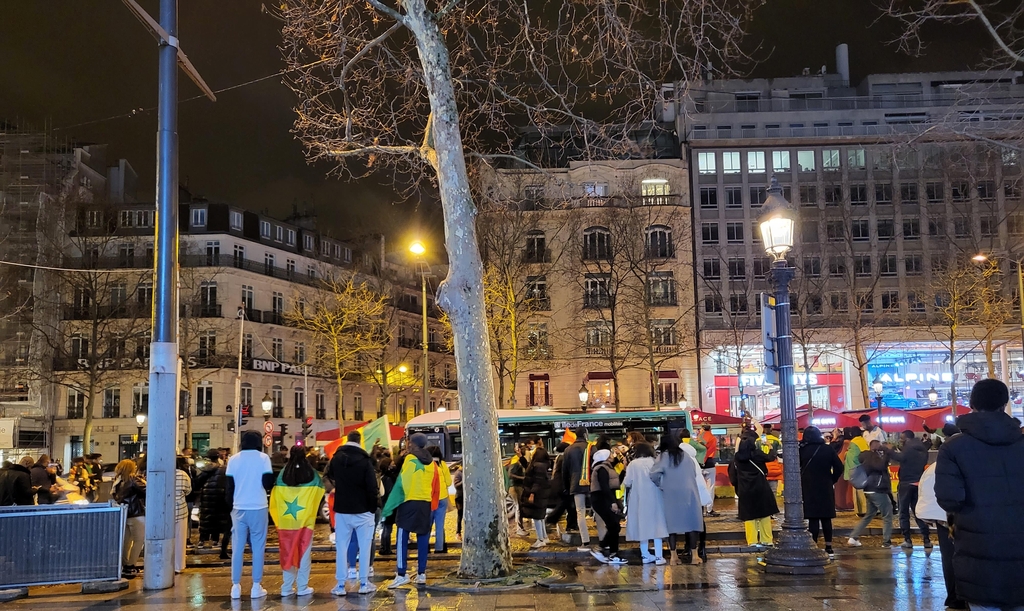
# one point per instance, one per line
(773, 468)
(604, 481)
(858, 445)
(877, 487)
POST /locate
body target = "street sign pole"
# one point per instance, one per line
(768, 337)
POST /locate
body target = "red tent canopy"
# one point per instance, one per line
(893, 420)
(823, 419)
(937, 417)
(700, 418)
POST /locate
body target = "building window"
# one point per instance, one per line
(300, 403)
(758, 195)
(886, 228)
(809, 231)
(207, 346)
(713, 305)
(812, 305)
(860, 230)
(737, 268)
(277, 395)
(537, 292)
(706, 163)
(830, 160)
(859, 195)
(808, 195)
(855, 159)
(934, 192)
(961, 227)
(204, 399)
(661, 289)
(595, 189)
(76, 403)
(654, 192)
(883, 193)
(658, 242)
(236, 220)
(144, 294)
(264, 229)
(805, 161)
(862, 265)
(300, 352)
(199, 217)
(248, 298)
(914, 265)
(960, 191)
(988, 227)
(986, 190)
(599, 337)
(812, 267)
(908, 193)
(140, 399)
(839, 302)
(277, 303)
(289, 266)
(730, 162)
(709, 233)
(738, 305)
(307, 242)
(833, 195)
(915, 303)
(321, 406)
(755, 162)
(712, 269)
(597, 291)
(277, 349)
(310, 270)
(1015, 224)
(278, 233)
(734, 233)
(890, 301)
(239, 256)
(536, 248)
(911, 228)
(780, 161)
(709, 197)
(268, 263)
(887, 265)
(761, 267)
(597, 244)
(291, 238)
(866, 303)
(112, 402)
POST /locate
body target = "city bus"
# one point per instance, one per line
(516, 426)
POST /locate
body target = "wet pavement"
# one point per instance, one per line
(867, 579)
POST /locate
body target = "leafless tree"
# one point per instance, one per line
(424, 84)
(1003, 22)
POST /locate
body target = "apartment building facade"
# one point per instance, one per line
(233, 262)
(897, 182)
(600, 254)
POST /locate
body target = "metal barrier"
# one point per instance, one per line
(50, 544)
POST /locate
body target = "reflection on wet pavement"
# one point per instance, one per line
(867, 579)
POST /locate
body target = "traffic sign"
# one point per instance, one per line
(768, 337)
(268, 440)
(268, 427)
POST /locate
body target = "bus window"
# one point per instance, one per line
(456, 446)
(436, 439)
(542, 432)
(507, 442)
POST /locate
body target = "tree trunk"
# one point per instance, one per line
(807, 382)
(341, 400)
(655, 386)
(952, 368)
(989, 356)
(615, 387)
(501, 390)
(485, 552)
(90, 402)
(862, 367)
(187, 374)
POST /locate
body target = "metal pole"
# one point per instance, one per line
(796, 552)
(426, 335)
(1020, 304)
(238, 383)
(163, 365)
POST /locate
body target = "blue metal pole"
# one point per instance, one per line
(163, 367)
(795, 552)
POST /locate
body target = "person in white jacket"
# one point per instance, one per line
(928, 509)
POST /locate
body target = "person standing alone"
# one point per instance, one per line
(979, 481)
(249, 479)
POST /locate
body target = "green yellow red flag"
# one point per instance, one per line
(294, 510)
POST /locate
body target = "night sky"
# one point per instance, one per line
(73, 65)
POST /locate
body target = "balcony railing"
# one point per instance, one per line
(662, 301)
(892, 129)
(597, 350)
(272, 317)
(886, 102)
(596, 301)
(660, 252)
(202, 310)
(103, 312)
(539, 352)
(537, 256)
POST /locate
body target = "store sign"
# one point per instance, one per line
(7, 432)
(799, 379)
(892, 420)
(915, 377)
(826, 421)
(275, 367)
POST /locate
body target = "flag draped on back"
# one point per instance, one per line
(294, 510)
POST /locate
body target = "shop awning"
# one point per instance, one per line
(893, 420)
(599, 375)
(538, 376)
(668, 375)
(937, 417)
(823, 419)
(699, 418)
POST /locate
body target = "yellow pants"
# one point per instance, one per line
(759, 529)
(860, 502)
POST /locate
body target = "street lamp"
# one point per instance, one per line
(933, 395)
(267, 404)
(584, 396)
(417, 248)
(877, 387)
(140, 419)
(682, 402)
(796, 552)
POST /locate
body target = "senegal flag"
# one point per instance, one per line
(294, 511)
(377, 432)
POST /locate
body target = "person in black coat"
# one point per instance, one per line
(573, 468)
(214, 513)
(44, 479)
(536, 486)
(748, 473)
(913, 458)
(979, 481)
(16, 484)
(820, 469)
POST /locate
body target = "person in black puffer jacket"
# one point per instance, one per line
(214, 512)
(913, 459)
(979, 481)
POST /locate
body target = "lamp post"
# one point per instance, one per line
(795, 552)
(267, 404)
(584, 396)
(682, 402)
(140, 419)
(877, 387)
(933, 396)
(417, 248)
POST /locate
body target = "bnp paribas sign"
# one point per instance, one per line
(276, 367)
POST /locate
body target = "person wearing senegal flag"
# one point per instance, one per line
(416, 494)
(294, 502)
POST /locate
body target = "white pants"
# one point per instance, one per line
(581, 517)
(709, 480)
(297, 578)
(344, 525)
(180, 540)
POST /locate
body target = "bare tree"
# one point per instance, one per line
(1001, 20)
(421, 83)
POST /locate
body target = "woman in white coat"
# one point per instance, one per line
(684, 495)
(645, 511)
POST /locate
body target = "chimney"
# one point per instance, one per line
(843, 63)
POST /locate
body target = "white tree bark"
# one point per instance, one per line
(485, 552)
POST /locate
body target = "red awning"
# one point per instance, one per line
(599, 375)
(699, 418)
(892, 420)
(823, 419)
(937, 417)
(667, 375)
(538, 376)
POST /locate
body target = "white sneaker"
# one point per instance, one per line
(258, 591)
(398, 581)
(332, 538)
(539, 543)
(660, 561)
(369, 573)
(306, 591)
(520, 532)
(617, 561)
(339, 590)
(367, 588)
(287, 593)
(353, 573)
(236, 591)
(421, 579)
(599, 555)
(583, 548)
(649, 559)
(853, 542)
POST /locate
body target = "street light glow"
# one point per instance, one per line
(267, 403)
(417, 248)
(584, 393)
(778, 222)
(979, 258)
(140, 418)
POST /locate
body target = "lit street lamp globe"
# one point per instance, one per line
(778, 222)
(140, 418)
(267, 404)
(417, 248)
